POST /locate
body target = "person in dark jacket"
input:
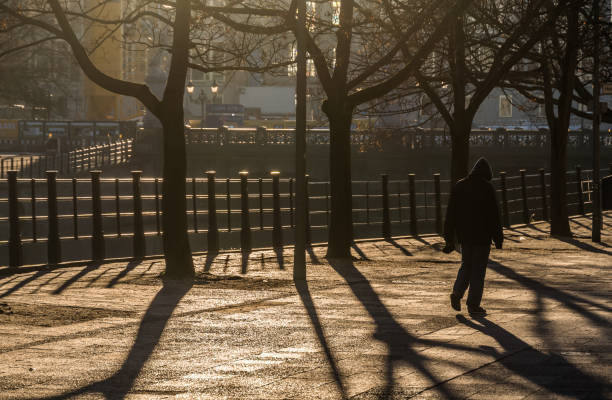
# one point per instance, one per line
(472, 219)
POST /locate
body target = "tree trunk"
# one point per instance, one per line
(559, 217)
(460, 156)
(341, 220)
(177, 251)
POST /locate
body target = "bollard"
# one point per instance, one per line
(579, 190)
(54, 249)
(245, 232)
(504, 190)
(139, 237)
(97, 237)
(213, 229)
(543, 194)
(15, 249)
(413, 216)
(277, 229)
(438, 202)
(386, 223)
(524, 197)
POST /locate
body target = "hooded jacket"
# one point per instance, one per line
(472, 214)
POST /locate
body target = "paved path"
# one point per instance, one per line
(376, 328)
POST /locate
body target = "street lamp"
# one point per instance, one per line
(214, 89)
(190, 87)
(200, 99)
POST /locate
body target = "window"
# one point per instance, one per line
(292, 68)
(335, 13)
(505, 106)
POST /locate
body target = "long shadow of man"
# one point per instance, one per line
(151, 328)
(400, 343)
(552, 372)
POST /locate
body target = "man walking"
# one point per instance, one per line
(472, 219)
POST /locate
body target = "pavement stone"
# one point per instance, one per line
(377, 327)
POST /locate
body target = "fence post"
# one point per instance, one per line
(291, 221)
(504, 190)
(33, 204)
(97, 238)
(579, 189)
(213, 229)
(386, 222)
(139, 237)
(543, 194)
(277, 230)
(75, 213)
(245, 231)
(438, 203)
(610, 168)
(54, 248)
(524, 197)
(413, 216)
(15, 249)
(228, 200)
(118, 207)
(261, 211)
(307, 211)
(157, 224)
(195, 205)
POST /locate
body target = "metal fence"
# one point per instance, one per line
(70, 163)
(75, 213)
(411, 139)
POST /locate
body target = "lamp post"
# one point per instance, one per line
(214, 89)
(201, 99)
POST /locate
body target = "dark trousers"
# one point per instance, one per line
(474, 260)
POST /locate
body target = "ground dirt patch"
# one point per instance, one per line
(52, 315)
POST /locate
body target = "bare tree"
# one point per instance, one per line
(357, 60)
(560, 81)
(481, 47)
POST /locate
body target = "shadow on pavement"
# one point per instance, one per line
(552, 372)
(150, 330)
(302, 289)
(400, 343)
(571, 301)
(583, 245)
(399, 246)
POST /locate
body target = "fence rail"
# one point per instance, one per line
(58, 211)
(70, 163)
(412, 139)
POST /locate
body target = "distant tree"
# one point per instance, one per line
(184, 31)
(480, 48)
(560, 81)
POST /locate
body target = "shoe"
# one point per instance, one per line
(477, 311)
(455, 302)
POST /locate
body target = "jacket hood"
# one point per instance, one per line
(482, 169)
